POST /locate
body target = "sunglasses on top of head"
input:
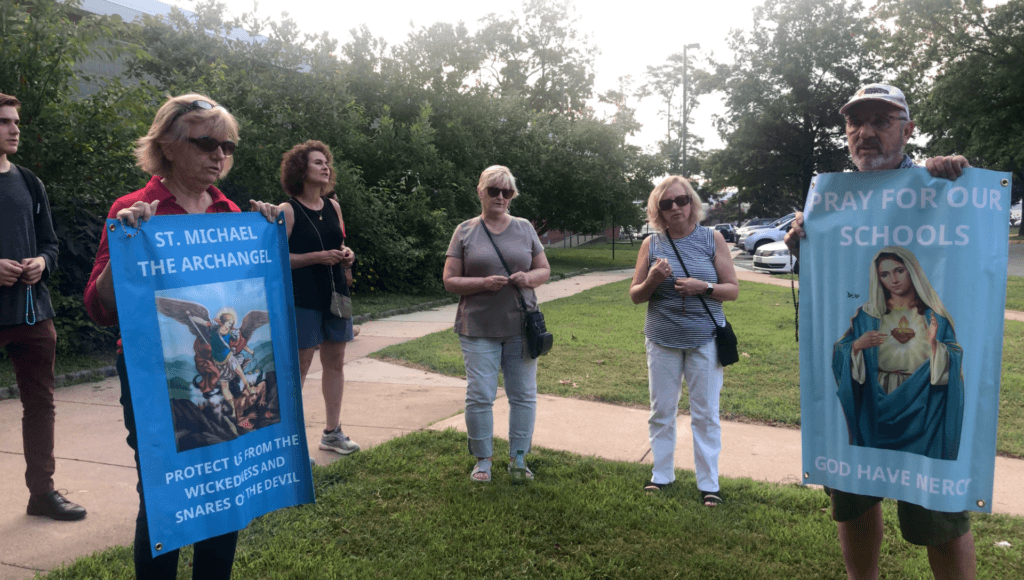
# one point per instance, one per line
(209, 145)
(204, 105)
(496, 191)
(681, 201)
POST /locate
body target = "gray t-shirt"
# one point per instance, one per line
(494, 314)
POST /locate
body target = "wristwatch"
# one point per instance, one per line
(710, 289)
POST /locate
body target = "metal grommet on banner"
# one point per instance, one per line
(111, 227)
(812, 185)
(981, 503)
(807, 475)
(158, 547)
(1004, 182)
(280, 218)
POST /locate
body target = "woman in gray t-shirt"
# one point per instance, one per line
(489, 320)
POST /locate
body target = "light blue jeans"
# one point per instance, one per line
(484, 357)
(666, 367)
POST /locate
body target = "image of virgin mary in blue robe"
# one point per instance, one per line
(898, 367)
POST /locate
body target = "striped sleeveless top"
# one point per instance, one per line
(670, 321)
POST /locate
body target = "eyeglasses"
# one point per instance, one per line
(209, 145)
(681, 201)
(204, 105)
(495, 191)
(879, 123)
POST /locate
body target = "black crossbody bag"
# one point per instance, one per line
(538, 339)
(725, 338)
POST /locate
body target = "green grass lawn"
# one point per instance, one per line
(63, 365)
(593, 256)
(407, 509)
(599, 355)
(380, 302)
(375, 303)
(1015, 292)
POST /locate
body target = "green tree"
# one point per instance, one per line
(666, 82)
(541, 55)
(799, 63)
(961, 63)
(80, 148)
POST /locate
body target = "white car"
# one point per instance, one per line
(775, 233)
(775, 258)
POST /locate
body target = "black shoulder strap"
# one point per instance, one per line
(32, 182)
(685, 271)
(522, 302)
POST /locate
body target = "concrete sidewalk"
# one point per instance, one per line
(382, 401)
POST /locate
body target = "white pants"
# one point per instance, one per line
(666, 367)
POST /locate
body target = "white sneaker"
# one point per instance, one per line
(338, 442)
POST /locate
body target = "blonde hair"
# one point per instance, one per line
(498, 176)
(654, 213)
(171, 126)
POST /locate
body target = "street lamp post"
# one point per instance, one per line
(686, 117)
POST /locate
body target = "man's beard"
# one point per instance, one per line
(871, 161)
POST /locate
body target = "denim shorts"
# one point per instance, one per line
(919, 525)
(314, 327)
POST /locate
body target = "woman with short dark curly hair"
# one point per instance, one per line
(295, 163)
(316, 245)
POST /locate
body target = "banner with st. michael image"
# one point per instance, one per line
(208, 329)
(902, 294)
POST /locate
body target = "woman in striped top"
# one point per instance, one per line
(679, 331)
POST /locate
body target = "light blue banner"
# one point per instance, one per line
(902, 293)
(208, 328)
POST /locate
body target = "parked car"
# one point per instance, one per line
(753, 224)
(743, 233)
(728, 232)
(775, 257)
(775, 233)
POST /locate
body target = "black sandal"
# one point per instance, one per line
(711, 499)
(652, 487)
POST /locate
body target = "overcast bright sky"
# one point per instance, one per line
(630, 35)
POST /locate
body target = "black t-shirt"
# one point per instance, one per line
(25, 233)
(311, 285)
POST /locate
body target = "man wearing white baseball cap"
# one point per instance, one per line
(878, 127)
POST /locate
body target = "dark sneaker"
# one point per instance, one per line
(56, 506)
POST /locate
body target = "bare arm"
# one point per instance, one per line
(348, 256)
(727, 288)
(646, 278)
(323, 257)
(539, 273)
(456, 283)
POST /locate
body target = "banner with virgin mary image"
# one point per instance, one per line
(902, 298)
(208, 329)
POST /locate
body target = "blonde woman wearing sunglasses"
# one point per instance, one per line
(188, 147)
(679, 333)
(489, 319)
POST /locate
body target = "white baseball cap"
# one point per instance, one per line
(878, 92)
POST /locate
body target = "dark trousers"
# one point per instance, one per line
(32, 350)
(213, 557)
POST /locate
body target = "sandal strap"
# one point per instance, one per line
(482, 466)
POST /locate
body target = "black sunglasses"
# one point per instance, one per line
(681, 201)
(495, 191)
(209, 145)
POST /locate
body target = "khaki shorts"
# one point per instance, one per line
(919, 525)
